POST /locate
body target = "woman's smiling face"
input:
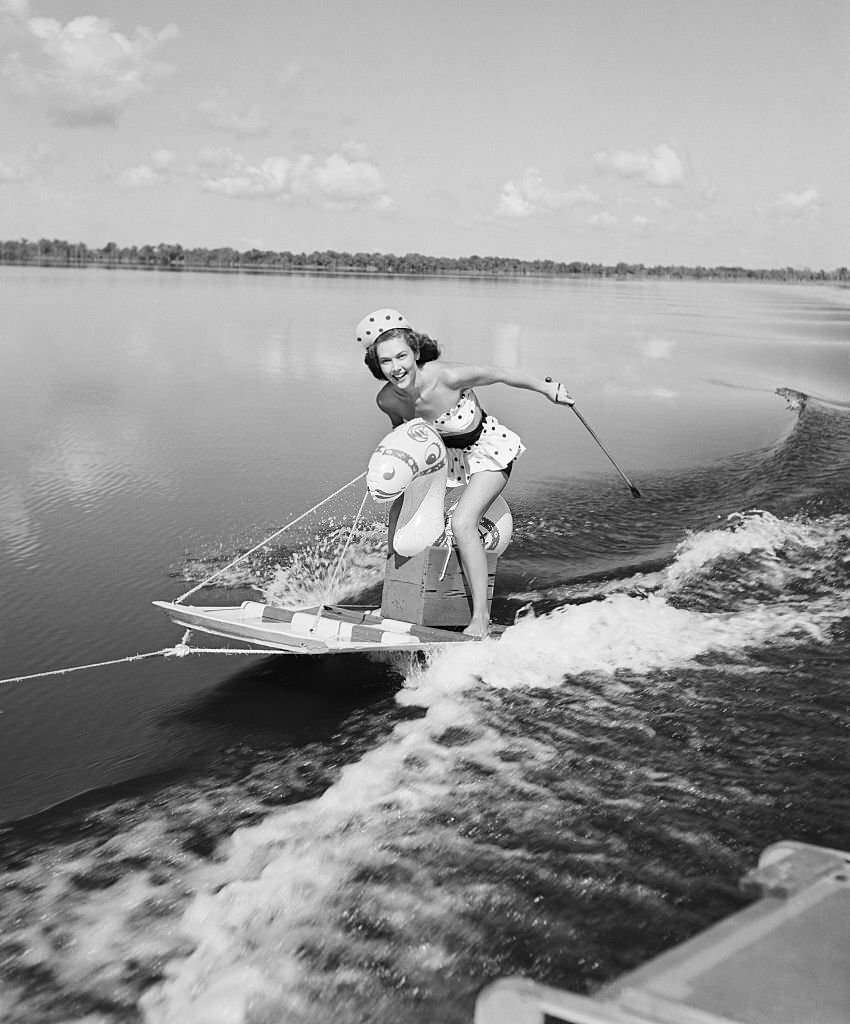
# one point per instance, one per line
(397, 361)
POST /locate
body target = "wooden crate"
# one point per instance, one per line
(414, 592)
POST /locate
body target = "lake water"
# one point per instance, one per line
(221, 840)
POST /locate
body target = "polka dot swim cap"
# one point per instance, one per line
(371, 327)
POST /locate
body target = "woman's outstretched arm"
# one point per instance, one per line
(468, 375)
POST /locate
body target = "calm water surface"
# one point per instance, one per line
(213, 839)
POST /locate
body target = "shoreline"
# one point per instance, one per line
(598, 273)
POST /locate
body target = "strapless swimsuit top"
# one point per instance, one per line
(462, 416)
(475, 440)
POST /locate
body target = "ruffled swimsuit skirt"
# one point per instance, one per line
(495, 448)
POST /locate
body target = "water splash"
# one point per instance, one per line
(304, 577)
(298, 574)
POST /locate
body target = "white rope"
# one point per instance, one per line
(268, 540)
(178, 651)
(329, 587)
(82, 668)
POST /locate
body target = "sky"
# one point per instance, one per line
(644, 131)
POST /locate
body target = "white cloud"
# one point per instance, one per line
(343, 181)
(603, 220)
(218, 156)
(794, 204)
(85, 72)
(529, 195)
(155, 172)
(512, 203)
(337, 182)
(230, 174)
(142, 176)
(227, 114)
(662, 167)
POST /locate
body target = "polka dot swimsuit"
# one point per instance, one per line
(495, 449)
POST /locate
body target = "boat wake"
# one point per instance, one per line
(757, 581)
(387, 888)
(314, 897)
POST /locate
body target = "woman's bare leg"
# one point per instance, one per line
(481, 491)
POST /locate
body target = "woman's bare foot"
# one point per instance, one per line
(479, 627)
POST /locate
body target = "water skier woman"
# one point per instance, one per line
(481, 451)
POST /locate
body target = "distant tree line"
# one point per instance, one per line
(167, 256)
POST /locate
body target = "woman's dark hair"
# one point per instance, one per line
(425, 349)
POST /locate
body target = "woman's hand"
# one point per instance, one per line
(558, 394)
